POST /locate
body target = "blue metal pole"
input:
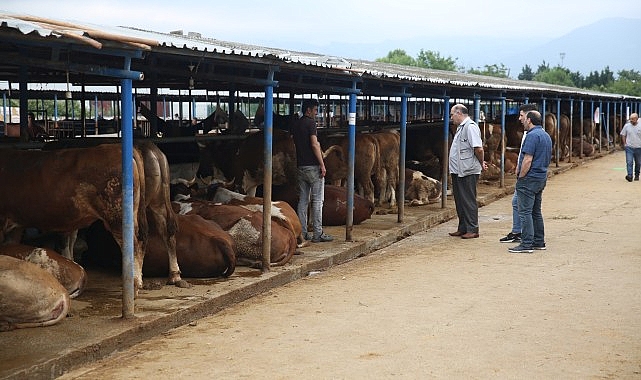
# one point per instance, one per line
(581, 120)
(95, 116)
(267, 173)
(477, 108)
(127, 199)
(607, 124)
(400, 195)
(351, 160)
(446, 139)
(558, 130)
(571, 122)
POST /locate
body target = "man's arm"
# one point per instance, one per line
(525, 165)
(480, 155)
(318, 153)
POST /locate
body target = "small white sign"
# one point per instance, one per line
(352, 118)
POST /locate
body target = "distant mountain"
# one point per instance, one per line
(611, 42)
(586, 49)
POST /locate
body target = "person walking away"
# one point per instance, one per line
(631, 141)
(532, 174)
(514, 236)
(311, 171)
(465, 166)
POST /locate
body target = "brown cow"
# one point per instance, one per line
(550, 128)
(202, 247)
(564, 136)
(69, 274)
(367, 163)
(82, 185)
(282, 212)
(581, 146)
(387, 176)
(245, 227)
(29, 296)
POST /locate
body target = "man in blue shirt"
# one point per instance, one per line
(532, 174)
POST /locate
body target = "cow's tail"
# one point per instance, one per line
(229, 256)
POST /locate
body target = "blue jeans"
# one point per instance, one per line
(516, 220)
(632, 155)
(311, 186)
(530, 191)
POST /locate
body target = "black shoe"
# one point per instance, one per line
(636, 177)
(511, 238)
(539, 247)
(520, 249)
(628, 178)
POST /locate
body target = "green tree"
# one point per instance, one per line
(433, 60)
(526, 73)
(399, 57)
(556, 75)
(627, 83)
(494, 70)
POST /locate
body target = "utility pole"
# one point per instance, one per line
(562, 57)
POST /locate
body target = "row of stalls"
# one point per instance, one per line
(171, 73)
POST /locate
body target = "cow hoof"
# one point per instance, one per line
(183, 284)
(305, 243)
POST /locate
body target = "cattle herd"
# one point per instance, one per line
(205, 224)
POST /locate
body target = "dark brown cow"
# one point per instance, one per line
(421, 189)
(334, 204)
(68, 189)
(69, 274)
(29, 296)
(202, 247)
(581, 146)
(250, 162)
(245, 227)
(335, 207)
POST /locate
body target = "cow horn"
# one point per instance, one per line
(229, 185)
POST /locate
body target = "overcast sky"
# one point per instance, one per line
(288, 22)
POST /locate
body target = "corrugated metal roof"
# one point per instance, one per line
(195, 42)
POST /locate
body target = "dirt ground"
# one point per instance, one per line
(433, 306)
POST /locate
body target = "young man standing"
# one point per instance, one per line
(311, 171)
(532, 174)
(514, 236)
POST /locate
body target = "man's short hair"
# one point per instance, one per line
(528, 107)
(535, 117)
(309, 103)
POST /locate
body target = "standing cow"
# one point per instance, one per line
(68, 189)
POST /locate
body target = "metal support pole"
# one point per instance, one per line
(400, 194)
(351, 160)
(267, 174)
(446, 139)
(127, 199)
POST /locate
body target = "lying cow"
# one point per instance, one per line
(334, 204)
(245, 227)
(202, 247)
(70, 275)
(29, 296)
(421, 189)
(581, 146)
